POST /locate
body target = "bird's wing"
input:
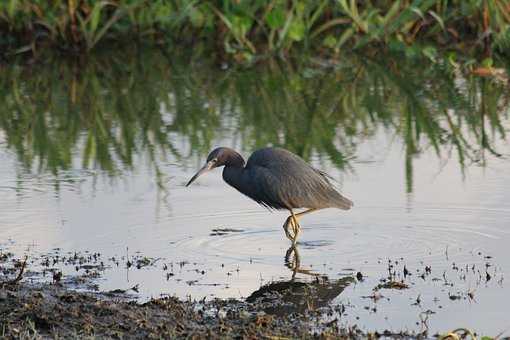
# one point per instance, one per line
(266, 189)
(279, 188)
(284, 180)
(326, 176)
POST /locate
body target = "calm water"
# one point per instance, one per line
(94, 157)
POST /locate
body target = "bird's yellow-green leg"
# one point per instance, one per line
(296, 228)
(286, 228)
(293, 222)
(306, 212)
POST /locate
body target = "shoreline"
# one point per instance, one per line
(41, 311)
(66, 307)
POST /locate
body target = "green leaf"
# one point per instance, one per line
(417, 11)
(300, 8)
(411, 51)
(430, 52)
(276, 18)
(329, 41)
(438, 19)
(11, 8)
(196, 17)
(487, 62)
(240, 25)
(297, 30)
(452, 59)
(116, 16)
(391, 12)
(346, 35)
(396, 45)
(95, 16)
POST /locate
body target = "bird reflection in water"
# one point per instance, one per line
(298, 295)
(293, 262)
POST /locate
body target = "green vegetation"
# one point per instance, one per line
(244, 29)
(118, 109)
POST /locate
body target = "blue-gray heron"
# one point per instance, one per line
(277, 179)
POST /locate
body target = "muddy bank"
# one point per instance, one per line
(52, 311)
(65, 307)
(39, 301)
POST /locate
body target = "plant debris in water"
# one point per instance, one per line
(391, 285)
(224, 231)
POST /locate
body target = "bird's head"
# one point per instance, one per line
(219, 157)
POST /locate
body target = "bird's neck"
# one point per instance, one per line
(234, 160)
(233, 172)
(235, 176)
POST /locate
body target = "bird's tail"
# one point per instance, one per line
(344, 203)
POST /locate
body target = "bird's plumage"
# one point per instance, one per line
(279, 179)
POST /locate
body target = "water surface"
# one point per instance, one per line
(94, 156)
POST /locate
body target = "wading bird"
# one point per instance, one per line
(277, 179)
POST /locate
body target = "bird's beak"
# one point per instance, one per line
(208, 166)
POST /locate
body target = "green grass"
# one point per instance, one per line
(244, 29)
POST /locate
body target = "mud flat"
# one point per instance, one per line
(41, 299)
(30, 311)
(66, 308)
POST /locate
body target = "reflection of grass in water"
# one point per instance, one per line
(113, 108)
